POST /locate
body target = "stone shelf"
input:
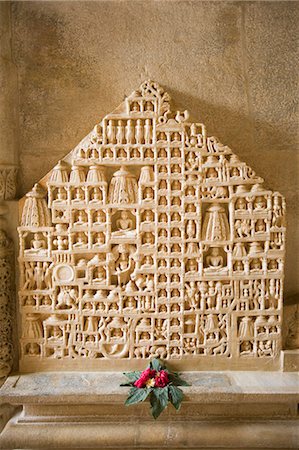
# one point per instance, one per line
(85, 410)
(205, 387)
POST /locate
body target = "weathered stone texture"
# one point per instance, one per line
(8, 92)
(232, 63)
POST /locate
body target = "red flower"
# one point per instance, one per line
(146, 375)
(161, 379)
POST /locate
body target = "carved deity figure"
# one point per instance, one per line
(243, 228)
(33, 349)
(124, 223)
(259, 203)
(214, 260)
(66, 298)
(39, 275)
(192, 294)
(99, 274)
(79, 195)
(191, 229)
(99, 217)
(241, 204)
(81, 217)
(38, 243)
(277, 217)
(96, 195)
(99, 239)
(80, 239)
(191, 161)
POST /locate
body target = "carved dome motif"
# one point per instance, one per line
(36, 212)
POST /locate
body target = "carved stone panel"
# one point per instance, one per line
(151, 239)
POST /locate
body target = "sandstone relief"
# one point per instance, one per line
(151, 240)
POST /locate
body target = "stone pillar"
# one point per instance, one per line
(8, 172)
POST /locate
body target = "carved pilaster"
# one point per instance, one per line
(291, 327)
(8, 182)
(6, 304)
(8, 187)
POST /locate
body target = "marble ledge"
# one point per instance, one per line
(93, 387)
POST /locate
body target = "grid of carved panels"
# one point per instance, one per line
(151, 240)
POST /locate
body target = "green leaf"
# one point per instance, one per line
(176, 396)
(156, 364)
(158, 400)
(176, 380)
(132, 376)
(137, 395)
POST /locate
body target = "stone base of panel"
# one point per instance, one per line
(222, 410)
(223, 363)
(39, 433)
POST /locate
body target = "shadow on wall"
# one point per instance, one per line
(255, 142)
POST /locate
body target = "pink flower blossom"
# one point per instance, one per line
(161, 379)
(146, 375)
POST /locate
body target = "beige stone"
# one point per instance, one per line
(9, 110)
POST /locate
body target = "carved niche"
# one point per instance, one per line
(151, 239)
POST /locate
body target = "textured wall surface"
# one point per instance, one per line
(9, 110)
(232, 64)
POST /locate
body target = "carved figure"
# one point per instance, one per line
(192, 294)
(38, 244)
(243, 228)
(214, 259)
(66, 298)
(277, 218)
(124, 223)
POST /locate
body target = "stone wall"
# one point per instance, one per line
(232, 63)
